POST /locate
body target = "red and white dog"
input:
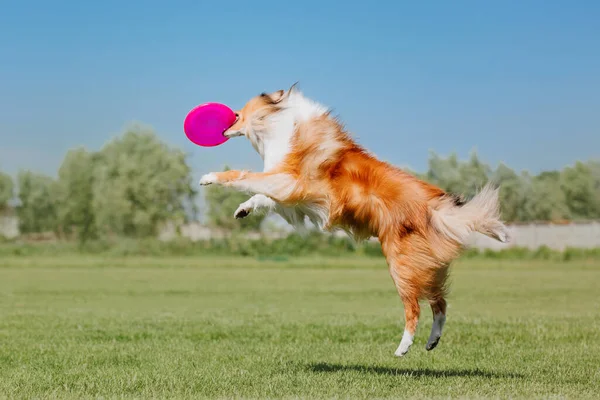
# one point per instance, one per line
(313, 168)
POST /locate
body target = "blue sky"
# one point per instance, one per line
(517, 80)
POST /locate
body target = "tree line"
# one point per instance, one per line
(136, 183)
(572, 193)
(128, 188)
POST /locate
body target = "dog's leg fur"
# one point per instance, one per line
(417, 274)
(438, 308)
(258, 202)
(436, 296)
(221, 177)
(412, 310)
(278, 186)
(400, 272)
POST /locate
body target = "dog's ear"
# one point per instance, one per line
(274, 97)
(278, 96)
(292, 89)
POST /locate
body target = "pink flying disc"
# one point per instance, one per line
(205, 124)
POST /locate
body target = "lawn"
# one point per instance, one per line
(81, 327)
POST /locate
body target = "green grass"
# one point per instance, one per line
(82, 327)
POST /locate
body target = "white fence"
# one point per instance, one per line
(554, 236)
(9, 227)
(534, 235)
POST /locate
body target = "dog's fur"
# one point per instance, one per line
(313, 168)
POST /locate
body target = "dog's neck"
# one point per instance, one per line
(275, 142)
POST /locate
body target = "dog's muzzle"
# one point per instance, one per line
(230, 134)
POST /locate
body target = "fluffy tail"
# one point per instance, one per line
(481, 214)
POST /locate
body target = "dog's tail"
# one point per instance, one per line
(456, 220)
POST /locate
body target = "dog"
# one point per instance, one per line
(314, 169)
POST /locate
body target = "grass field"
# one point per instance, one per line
(186, 328)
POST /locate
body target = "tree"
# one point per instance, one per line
(37, 209)
(74, 194)
(547, 201)
(474, 175)
(454, 176)
(580, 185)
(594, 167)
(222, 203)
(445, 173)
(6, 190)
(140, 183)
(514, 193)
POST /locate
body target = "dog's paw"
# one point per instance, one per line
(208, 179)
(432, 343)
(243, 210)
(405, 343)
(401, 351)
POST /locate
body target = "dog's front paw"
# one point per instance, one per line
(243, 210)
(208, 179)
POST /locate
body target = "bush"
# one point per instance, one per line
(295, 245)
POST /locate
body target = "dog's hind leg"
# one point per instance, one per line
(412, 310)
(417, 274)
(438, 307)
(402, 275)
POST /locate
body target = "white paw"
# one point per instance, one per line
(405, 343)
(208, 179)
(402, 349)
(244, 209)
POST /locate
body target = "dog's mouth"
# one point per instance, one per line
(233, 133)
(229, 133)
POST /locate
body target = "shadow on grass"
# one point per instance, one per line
(414, 372)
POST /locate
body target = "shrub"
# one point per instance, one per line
(295, 245)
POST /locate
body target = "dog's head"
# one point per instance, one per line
(254, 117)
(269, 121)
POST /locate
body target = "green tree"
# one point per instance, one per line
(580, 185)
(514, 193)
(222, 203)
(6, 190)
(444, 172)
(37, 208)
(75, 194)
(458, 177)
(547, 201)
(594, 167)
(140, 183)
(474, 174)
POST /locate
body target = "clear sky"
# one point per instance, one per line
(517, 80)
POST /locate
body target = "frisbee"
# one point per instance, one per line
(204, 125)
